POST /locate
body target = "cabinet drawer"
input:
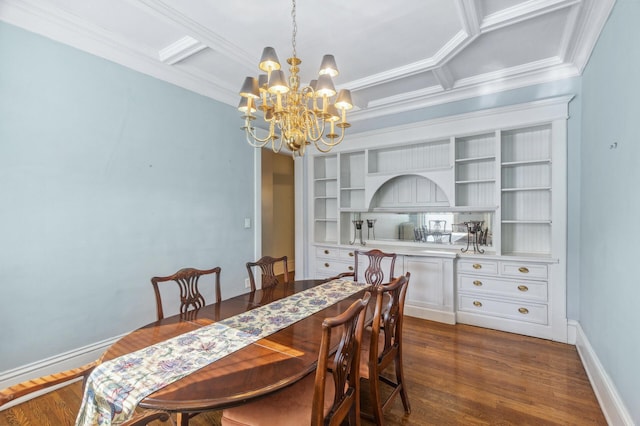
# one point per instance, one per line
(526, 312)
(327, 252)
(347, 255)
(524, 270)
(334, 267)
(526, 290)
(485, 267)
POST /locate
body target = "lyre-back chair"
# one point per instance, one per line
(187, 280)
(267, 267)
(30, 386)
(382, 346)
(327, 397)
(374, 273)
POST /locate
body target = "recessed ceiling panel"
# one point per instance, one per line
(530, 41)
(371, 37)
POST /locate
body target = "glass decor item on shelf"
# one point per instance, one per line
(357, 232)
(475, 236)
(371, 229)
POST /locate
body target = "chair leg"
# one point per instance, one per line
(354, 416)
(182, 419)
(376, 400)
(400, 381)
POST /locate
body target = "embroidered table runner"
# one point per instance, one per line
(115, 387)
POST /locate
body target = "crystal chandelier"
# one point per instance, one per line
(295, 116)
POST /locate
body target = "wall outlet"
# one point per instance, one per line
(247, 283)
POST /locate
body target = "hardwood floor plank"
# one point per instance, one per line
(456, 374)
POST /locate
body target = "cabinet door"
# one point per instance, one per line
(426, 286)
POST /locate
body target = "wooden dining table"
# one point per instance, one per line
(258, 369)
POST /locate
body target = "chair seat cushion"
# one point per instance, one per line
(288, 407)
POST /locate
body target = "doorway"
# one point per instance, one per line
(277, 207)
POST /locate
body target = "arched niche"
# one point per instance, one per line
(408, 192)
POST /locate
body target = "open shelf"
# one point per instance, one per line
(424, 156)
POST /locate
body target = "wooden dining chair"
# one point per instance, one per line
(327, 397)
(382, 346)
(187, 280)
(374, 273)
(267, 267)
(30, 386)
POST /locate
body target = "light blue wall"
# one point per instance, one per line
(610, 288)
(107, 177)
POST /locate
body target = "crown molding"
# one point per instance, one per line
(180, 50)
(50, 22)
(596, 13)
(433, 96)
(214, 41)
(470, 15)
(524, 11)
(544, 109)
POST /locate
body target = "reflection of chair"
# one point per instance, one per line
(190, 296)
(61, 414)
(373, 273)
(325, 398)
(269, 277)
(437, 229)
(382, 346)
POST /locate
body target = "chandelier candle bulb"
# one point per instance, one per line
(291, 112)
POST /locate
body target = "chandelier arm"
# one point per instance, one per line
(256, 145)
(276, 147)
(314, 123)
(259, 142)
(331, 144)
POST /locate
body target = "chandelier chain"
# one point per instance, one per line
(295, 28)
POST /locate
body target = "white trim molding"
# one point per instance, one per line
(61, 362)
(611, 404)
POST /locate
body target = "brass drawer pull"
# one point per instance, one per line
(477, 266)
(477, 283)
(326, 265)
(523, 310)
(476, 303)
(351, 253)
(326, 252)
(523, 288)
(351, 268)
(523, 269)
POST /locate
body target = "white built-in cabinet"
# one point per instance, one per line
(509, 162)
(430, 293)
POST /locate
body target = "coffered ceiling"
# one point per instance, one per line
(395, 56)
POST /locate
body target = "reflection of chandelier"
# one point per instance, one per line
(295, 115)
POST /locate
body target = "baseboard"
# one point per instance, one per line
(61, 362)
(610, 402)
(430, 314)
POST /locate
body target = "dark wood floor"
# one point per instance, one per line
(457, 375)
